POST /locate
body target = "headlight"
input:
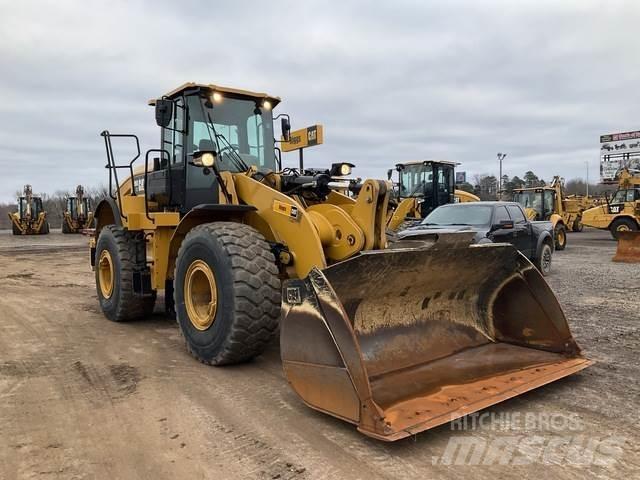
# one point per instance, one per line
(341, 169)
(204, 159)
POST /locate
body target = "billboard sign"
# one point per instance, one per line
(617, 151)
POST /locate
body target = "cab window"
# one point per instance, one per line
(501, 215)
(516, 214)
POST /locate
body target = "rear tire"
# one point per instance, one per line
(622, 225)
(560, 234)
(234, 298)
(114, 266)
(65, 226)
(16, 230)
(543, 262)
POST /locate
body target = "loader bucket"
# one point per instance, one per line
(399, 341)
(628, 247)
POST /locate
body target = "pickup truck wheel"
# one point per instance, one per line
(543, 262)
(560, 234)
(622, 225)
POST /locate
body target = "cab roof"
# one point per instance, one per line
(420, 162)
(235, 92)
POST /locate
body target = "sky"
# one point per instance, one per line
(390, 81)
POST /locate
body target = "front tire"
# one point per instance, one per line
(114, 265)
(622, 225)
(560, 234)
(227, 293)
(577, 225)
(543, 262)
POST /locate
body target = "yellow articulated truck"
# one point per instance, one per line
(77, 215)
(30, 219)
(549, 203)
(621, 212)
(422, 186)
(395, 341)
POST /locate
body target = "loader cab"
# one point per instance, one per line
(33, 208)
(621, 197)
(432, 181)
(77, 209)
(541, 201)
(236, 126)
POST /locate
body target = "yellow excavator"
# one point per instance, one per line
(395, 340)
(30, 219)
(77, 215)
(422, 186)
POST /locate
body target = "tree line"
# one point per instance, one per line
(486, 186)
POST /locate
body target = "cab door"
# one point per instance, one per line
(522, 238)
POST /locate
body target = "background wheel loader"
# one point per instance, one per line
(621, 212)
(549, 203)
(423, 186)
(395, 341)
(77, 215)
(30, 219)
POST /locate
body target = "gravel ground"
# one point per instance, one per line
(82, 397)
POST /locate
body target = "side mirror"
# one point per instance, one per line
(389, 174)
(503, 225)
(164, 112)
(286, 129)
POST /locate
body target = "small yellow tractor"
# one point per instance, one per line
(423, 186)
(549, 203)
(393, 340)
(621, 212)
(30, 219)
(77, 215)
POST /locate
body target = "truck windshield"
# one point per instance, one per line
(237, 131)
(460, 214)
(415, 180)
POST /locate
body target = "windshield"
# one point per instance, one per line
(415, 179)
(529, 199)
(460, 214)
(237, 132)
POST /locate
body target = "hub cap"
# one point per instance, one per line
(105, 274)
(200, 295)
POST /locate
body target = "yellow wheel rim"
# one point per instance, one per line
(105, 274)
(561, 237)
(200, 295)
(623, 228)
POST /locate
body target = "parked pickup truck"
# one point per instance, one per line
(503, 222)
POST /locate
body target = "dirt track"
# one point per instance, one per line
(82, 397)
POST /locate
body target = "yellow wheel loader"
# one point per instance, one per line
(30, 219)
(621, 212)
(77, 215)
(548, 203)
(393, 340)
(423, 186)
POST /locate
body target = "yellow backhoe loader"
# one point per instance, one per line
(30, 219)
(395, 340)
(549, 203)
(77, 215)
(621, 212)
(423, 186)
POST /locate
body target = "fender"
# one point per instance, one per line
(107, 213)
(203, 213)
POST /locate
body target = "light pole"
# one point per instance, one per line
(500, 158)
(587, 162)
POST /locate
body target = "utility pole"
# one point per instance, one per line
(500, 158)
